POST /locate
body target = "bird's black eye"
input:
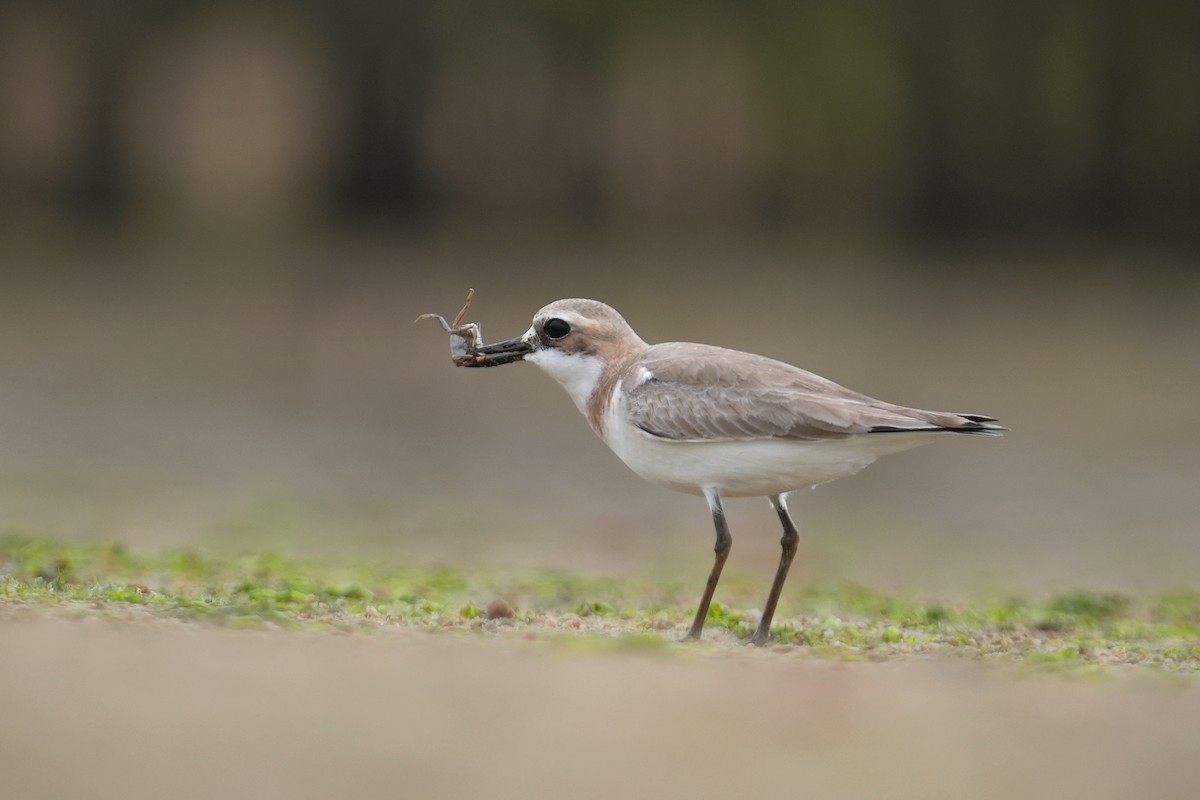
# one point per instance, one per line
(556, 328)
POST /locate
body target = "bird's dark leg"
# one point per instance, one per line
(724, 543)
(788, 546)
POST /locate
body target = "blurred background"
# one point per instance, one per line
(218, 221)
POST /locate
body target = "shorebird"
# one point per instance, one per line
(716, 422)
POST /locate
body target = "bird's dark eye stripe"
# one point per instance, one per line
(556, 328)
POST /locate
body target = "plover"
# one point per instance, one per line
(716, 422)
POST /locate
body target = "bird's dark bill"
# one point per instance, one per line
(493, 355)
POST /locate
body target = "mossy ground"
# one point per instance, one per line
(1078, 632)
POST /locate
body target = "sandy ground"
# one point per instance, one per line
(103, 710)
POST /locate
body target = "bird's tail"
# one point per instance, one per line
(977, 424)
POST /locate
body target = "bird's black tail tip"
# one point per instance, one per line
(976, 424)
(980, 425)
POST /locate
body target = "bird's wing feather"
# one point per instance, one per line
(691, 392)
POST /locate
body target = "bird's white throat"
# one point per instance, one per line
(579, 373)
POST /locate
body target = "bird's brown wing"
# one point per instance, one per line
(692, 392)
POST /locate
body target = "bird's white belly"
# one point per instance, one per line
(751, 468)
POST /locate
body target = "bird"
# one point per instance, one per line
(716, 422)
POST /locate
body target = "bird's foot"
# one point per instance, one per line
(760, 638)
